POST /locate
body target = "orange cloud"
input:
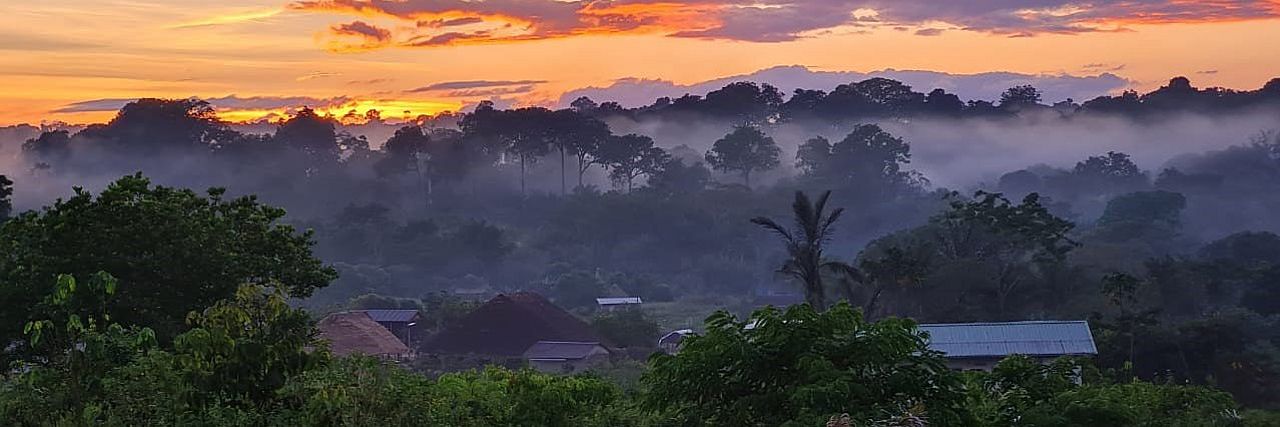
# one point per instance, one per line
(357, 36)
(495, 21)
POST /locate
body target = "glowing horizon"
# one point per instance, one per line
(267, 57)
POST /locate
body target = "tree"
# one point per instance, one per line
(868, 157)
(52, 145)
(800, 367)
(524, 133)
(940, 102)
(243, 349)
(6, 194)
(630, 156)
(313, 135)
(1121, 291)
(152, 126)
(172, 250)
(628, 328)
(804, 244)
(75, 345)
(893, 266)
(409, 149)
(676, 177)
(1144, 214)
(1113, 170)
(744, 150)
(747, 103)
(1009, 240)
(576, 289)
(1019, 97)
(580, 135)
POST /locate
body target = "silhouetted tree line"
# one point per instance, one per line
(750, 103)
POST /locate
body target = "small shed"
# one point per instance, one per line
(399, 322)
(979, 346)
(352, 332)
(618, 303)
(670, 343)
(565, 356)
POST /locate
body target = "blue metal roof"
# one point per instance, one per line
(392, 315)
(1035, 338)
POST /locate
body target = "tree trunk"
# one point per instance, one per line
(871, 304)
(562, 185)
(746, 178)
(815, 295)
(522, 190)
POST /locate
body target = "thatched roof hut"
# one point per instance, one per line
(353, 332)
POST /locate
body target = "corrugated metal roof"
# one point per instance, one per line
(560, 350)
(1035, 338)
(618, 301)
(391, 315)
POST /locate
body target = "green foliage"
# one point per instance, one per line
(627, 328)
(800, 367)
(242, 350)
(1010, 243)
(631, 156)
(6, 194)
(805, 245)
(359, 391)
(1136, 404)
(576, 289)
(868, 159)
(528, 398)
(745, 150)
(72, 353)
(172, 250)
(1153, 216)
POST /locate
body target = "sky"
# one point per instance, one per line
(79, 60)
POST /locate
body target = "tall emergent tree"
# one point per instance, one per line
(578, 134)
(172, 250)
(745, 150)
(869, 159)
(630, 156)
(804, 243)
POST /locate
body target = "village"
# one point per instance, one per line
(526, 329)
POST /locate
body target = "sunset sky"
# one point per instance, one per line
(78, 60)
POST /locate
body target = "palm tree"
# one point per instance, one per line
(804, 243)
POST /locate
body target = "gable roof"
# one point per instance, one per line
(391, 315)
(507, 325)
(352, 332)
(999, 339)
(618, 300)
(561, 350)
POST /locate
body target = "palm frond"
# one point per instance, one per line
(773, 226)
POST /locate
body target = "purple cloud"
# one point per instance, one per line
(474, 84)
(636, 92)
(778, 20)
(231, 102)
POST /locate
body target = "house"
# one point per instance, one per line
(979, 346)
(507, 326)
(565, 356)
(670, 343)
(618, 303)
(352, 332)
(399, 322)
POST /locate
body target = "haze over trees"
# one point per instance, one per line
(1174, 264)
